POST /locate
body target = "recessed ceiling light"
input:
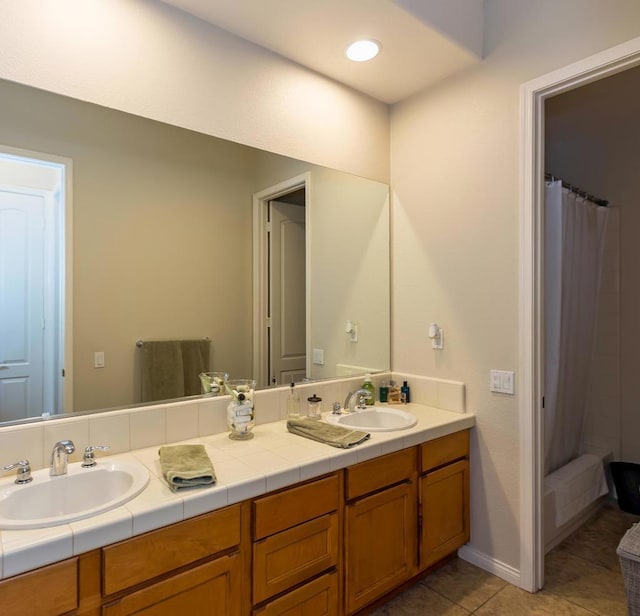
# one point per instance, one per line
(361, 51)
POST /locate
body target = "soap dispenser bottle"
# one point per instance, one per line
(368, 386)
(293, 403)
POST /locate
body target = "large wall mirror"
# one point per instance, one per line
(145, 231)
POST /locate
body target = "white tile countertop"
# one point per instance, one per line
(273, 459)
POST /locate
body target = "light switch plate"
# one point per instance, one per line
(318, 357)
(502, 381)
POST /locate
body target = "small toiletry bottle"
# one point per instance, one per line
(394, 393)
(314, 407)
(405, 389)
(293, 404)
(368, 386)
(384, 392)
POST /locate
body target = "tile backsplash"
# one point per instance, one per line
(137, 428)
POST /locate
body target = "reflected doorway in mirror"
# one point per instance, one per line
(33, 293)
(281, 282)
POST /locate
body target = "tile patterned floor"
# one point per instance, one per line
(582, 575)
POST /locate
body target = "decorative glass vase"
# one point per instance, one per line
(240, 411)
(213, 382)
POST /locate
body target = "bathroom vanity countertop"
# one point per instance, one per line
(273, 459)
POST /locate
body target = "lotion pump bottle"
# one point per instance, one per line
(368, 385)
(293, 403)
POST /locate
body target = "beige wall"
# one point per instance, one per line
(350, 271)
(455, 180)
(592, 141)
(153, 60)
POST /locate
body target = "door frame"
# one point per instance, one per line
(63, 201)
(260, 278)
(532, 96)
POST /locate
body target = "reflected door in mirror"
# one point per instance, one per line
(32, 216)
(287, 292)
(21, 300)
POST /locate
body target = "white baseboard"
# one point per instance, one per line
(479, 559)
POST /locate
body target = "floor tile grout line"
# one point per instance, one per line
(460, 604)
(568, 551)
(495, 594)
(586, 609)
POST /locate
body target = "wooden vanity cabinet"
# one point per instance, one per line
(380, 527)
(444, 497)
(296, 549)
(330, 546)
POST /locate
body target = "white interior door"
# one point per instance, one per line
(21, 304)
(287, 293)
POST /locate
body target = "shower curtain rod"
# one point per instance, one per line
(585, 195)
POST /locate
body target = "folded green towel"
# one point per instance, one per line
(336, 436)
(186, 466)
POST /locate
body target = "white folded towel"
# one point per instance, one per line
(576, 485)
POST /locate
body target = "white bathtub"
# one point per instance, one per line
(573, 494)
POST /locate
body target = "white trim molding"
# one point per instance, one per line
(497, 568)
(532, 97)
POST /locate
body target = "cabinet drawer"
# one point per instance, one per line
(293, 556)
(207, 590)
(444, 450)
(317, 598)
(283, 510)
(142, 558)
(48, 591)
(381, 472)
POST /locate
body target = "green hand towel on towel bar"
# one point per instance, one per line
(186, 466)
(336, 436)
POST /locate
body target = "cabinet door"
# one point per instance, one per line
(316, 598)
(380, 533)
(444, 509)
(212, 589)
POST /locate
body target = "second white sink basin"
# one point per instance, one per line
(376, 419)
(81, 493)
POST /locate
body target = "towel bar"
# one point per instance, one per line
(140, 343)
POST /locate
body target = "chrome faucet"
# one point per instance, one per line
(60, 457)
(360, 396)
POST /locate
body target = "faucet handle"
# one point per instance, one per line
(89, 458)
(24, 471)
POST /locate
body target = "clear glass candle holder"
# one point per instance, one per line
(240, 411)
(213, 382)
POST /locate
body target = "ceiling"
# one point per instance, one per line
(423, 41)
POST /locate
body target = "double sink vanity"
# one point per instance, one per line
(291, 526)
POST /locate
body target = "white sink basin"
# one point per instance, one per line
(376, 419)
(81, 493)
